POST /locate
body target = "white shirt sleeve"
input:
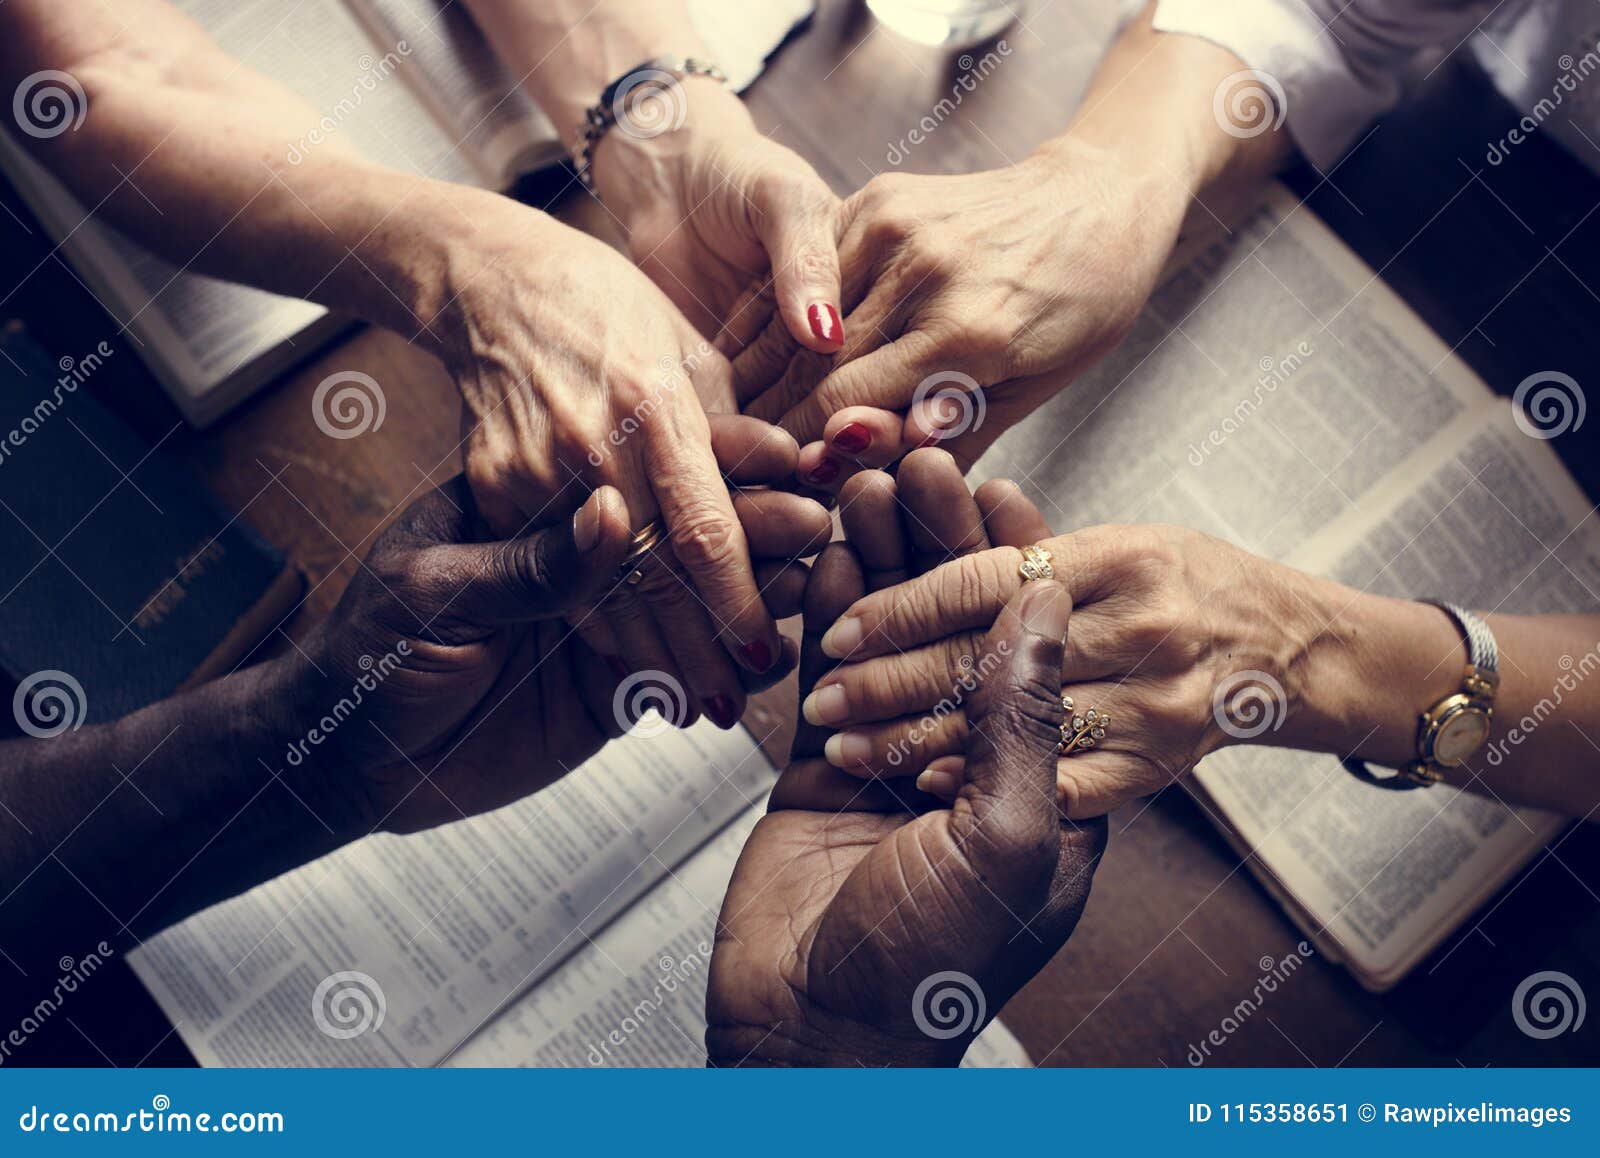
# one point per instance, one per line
(1338, 63)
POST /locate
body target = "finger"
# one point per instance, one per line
(865, 435)
(869, 325)
(944, 405)
(783, 586)
(763, 362)
(592, 626)
(486, 585)
(747, 320)
(797, 219)
(645, 657)
(780, 525)
(943, 778)
(898, 748)
(902, 684)
(835, 582)
(821, 469)
(1009, 516)
(942, 517)
(684, 625)
(1005, 819)
(816, 786)
(886, 378)
(707, 540)
(869, 511)
(960, 595)
(750, 452)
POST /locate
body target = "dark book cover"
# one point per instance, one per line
(120, 580)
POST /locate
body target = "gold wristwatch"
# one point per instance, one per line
(1451, 731)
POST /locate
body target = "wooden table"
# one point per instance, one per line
(1176, 931)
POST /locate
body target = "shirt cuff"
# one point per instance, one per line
(1324, 104)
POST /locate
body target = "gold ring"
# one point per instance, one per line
(1080, 732)
(644, 541)
(1035, 564)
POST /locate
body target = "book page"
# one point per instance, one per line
(439, 930)
(1231, 409)
(1493, 522)
(489, 116)
(635, 995)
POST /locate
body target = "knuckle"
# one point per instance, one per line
(705, 539)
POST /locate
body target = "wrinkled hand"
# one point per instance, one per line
(446, 653)
(860, 928)
(733, 226)
(579, 373)
(1186, 641)
(1009, 282)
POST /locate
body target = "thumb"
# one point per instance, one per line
(797, 222)
(1010, 795)
(482, 586)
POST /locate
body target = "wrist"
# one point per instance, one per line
(649, 156)
(1372, 666)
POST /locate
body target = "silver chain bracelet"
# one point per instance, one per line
(657, 78)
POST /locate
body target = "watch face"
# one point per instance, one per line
(1460, 736)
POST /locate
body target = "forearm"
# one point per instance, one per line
(115, 831)
(273, 209)
(1378, 663)
(1151, 110)
(564, 52)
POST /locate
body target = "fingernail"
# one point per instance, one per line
(1046, 609)
(931, 439)
(854, 438)
(842, 638)
(721, 711)
(824, 322)
(618, 668)
(846, 749)
(825, 471)
(937, 783)
(826, 706)
(758, 655)
(586, 526)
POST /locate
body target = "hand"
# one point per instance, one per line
(845, 899)
(729, 223)
(579, 373)
(1009, 282)
(1186, 641)
(447, 653)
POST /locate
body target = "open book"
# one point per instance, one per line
(410, 83)
(573, 928)
(1277, 394)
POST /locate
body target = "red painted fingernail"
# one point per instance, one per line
(825, 471)
(758, 655)
(721, 711)
(824, 321)
(854, 438)
(618, 668)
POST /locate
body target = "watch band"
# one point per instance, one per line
(1483, 656)
(599, 117)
